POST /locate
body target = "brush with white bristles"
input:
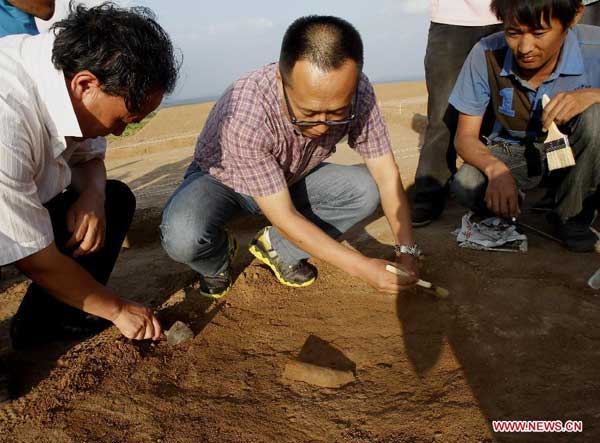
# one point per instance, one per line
(439, 291)
(558, 150)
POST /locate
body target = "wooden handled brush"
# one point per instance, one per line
(439, 292)
(558, 150)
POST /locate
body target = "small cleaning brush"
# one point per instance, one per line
(439, 291)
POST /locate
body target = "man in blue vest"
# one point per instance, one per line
(541, 52)
(18, 16)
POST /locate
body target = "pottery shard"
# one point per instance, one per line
(178, 333)
(317, 375)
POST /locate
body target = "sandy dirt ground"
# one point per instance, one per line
(518, 338)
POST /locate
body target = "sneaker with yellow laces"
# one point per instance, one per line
(298, 275)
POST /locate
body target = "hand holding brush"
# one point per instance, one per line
(438, 291)
(558, 150)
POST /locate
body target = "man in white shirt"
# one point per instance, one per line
(61, 222)
(456, 25)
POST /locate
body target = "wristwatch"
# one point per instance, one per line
(410, 250)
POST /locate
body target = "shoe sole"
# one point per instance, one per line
(261, 257)
(232, 259)
(420, 224)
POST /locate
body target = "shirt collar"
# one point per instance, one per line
(570, 62)
(61, 120)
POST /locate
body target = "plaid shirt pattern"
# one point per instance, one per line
(249, 144)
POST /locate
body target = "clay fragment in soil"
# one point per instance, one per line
(317, 375)
(178, 333)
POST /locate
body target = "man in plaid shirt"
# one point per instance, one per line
(262, 150)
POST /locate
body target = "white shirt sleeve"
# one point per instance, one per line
(25, 225)
(85, 150)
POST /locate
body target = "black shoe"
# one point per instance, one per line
(298, 275)
(423, 213)
(219, 285)
(427, 207)
(41, 319)
(576, 233)
(422, 216)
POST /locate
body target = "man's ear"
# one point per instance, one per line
(82, 84)
(578, 16)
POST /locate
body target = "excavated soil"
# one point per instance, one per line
(518, 338)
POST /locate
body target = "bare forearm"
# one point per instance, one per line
(43, 9)
(396, 208)
(90, 177)
(394, 202)
(310, 238)
(62, 277)
(587, 96)
(476, 154)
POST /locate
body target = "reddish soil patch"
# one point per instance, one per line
(517, 339)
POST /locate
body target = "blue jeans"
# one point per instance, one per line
(573, 185)
(470, 184)
(334, 197)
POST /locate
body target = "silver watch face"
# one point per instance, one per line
(410, 250)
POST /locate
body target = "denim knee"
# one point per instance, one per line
(192, 228)
(185, 236)
(368, 193)
(468, 186)
(177, 236)
(584, 129)
(589, 118)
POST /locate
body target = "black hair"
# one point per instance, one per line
(325, 41)
(125, 48)
(531, 12)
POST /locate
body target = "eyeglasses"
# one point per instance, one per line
(311, 123)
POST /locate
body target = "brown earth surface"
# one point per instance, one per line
(518, 338)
